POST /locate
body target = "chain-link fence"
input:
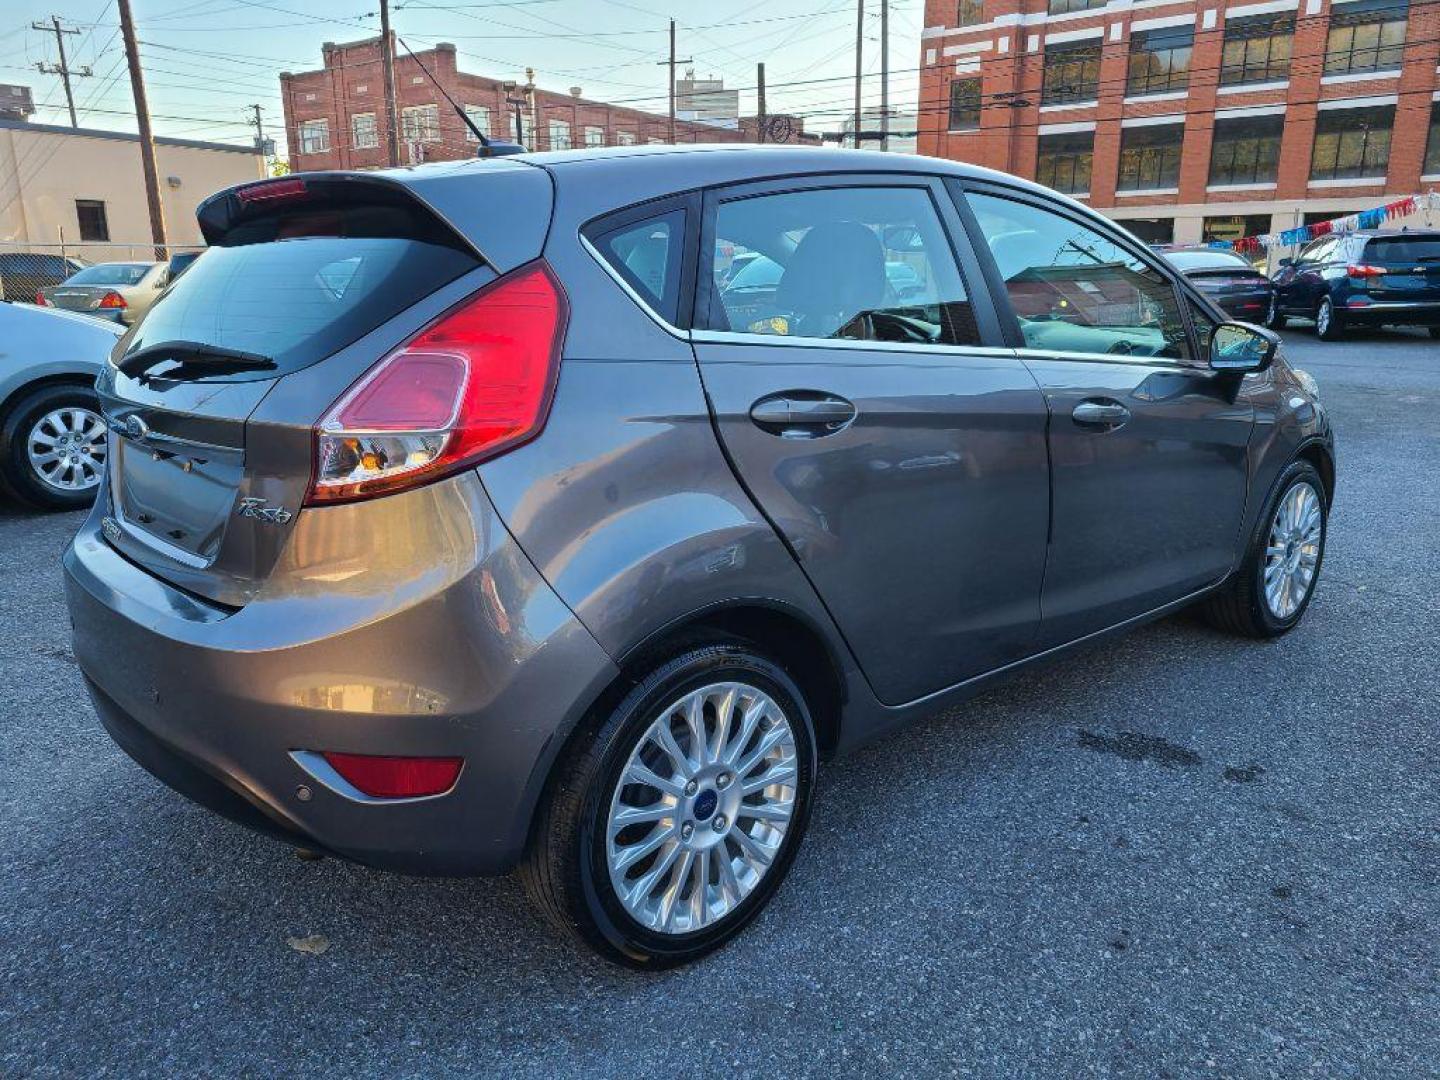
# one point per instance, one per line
(26, 269)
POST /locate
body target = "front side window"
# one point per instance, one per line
(363, 135)
(1159, 61)
(866, 264)
(1063, 161)
(478, 115)
(314, 136)
(1072, 73)
(1246, 150)
(964, 104)
(1352, 143)
(1366, 36)
(1150, 157)
(647, 256)
(420, 123)
(1257, 49)
(1075, 290)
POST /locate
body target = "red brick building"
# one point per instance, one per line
(335, 117)
(1191, 119)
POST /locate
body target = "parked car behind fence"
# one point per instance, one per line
(26, 268)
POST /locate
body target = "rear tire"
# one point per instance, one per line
(1244, 605)
(606, 883)
(1328, 325)
(52, 448)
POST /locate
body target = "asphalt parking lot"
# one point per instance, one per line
(1175, 855)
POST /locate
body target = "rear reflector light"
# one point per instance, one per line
(112, 300)
(385, 777)
(40, 299)
(1364, 271)
(474, 383)
(272, 191)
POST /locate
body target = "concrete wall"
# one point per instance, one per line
(44, 169)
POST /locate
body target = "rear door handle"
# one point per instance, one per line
(802, 413)
(1101, 413)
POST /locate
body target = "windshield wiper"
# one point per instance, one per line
(194, 356)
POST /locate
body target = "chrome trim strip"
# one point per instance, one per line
(321, 771)
(739, 337)
(614, 275)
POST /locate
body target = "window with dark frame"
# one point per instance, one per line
(1072, 73)
(1246, 150)
(1352, 143)
(970, 13)
(1368, 35)
(1257, 49)
(1160, 61)
(1064, 161)
(1432, 145)
(91, 216)
(1150, 157)
(1061, 7)
(965, 105)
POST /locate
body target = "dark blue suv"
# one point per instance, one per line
(1369, 278)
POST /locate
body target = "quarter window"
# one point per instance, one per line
(1150, 157)
(647, 256)
(1352, 143)
(1063, 161)
(1075, 290)
(1257, 49)
(1246, 150)
(1159, 61)
(1072, 73)
(866, 264)
(1366, 36)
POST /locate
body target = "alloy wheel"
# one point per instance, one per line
(1322, 318)
(1292, 555)
(702, 807)
(66, 449)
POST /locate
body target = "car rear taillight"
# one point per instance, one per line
(112, 300)
(386, 777)
(40, 299)
(1364, 271)
(474, 383)
(271, 191)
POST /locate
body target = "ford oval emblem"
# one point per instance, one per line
(135, 427)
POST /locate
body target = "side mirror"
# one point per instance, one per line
(1287, 261)
(1241, 347)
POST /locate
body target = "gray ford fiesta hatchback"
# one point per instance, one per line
(563, 511)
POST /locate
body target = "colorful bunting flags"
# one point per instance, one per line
(1366, 219)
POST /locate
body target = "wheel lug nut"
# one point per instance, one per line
(723, 780)
(686, 830)
(719, 822)
(691, 788)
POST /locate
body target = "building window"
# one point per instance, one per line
(420, 123)
(559, 135)
(1257, 49)
(970, 13)
(1246, 150)
(1150, 157)
(1352, 143)
(1234, 226)
(1366, 36)
(478, 115)
(1060, 7)
(964, 104)
(624, 138)
(1151, 230)
(314, 136)
(594, 137)
(363, 133)
(93, 223)
(1432, 147)
(1072, 73)
(1159, 61)
(654, 142)
(1063, 161)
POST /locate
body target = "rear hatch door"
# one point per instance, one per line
(1411, 262)
(211, 450)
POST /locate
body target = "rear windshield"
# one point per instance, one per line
(1206, 260)
(298, 301)
(111, 274)
(1405, 249)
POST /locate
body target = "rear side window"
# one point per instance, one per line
(647, 255)
(867, 264)
(1403, 249)
(297, 301)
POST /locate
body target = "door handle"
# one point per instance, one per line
(1101, 413)
(802, 413)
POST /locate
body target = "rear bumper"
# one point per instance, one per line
(1251, 307)
(483, 662)
(1393, 312)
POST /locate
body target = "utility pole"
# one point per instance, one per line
(62, 68)
(884, 75)
(387, 65)
(760, 118)
(147, 139)
(859, 70)
(260, 136)
(672, 62)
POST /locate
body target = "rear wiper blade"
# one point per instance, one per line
(195, 355)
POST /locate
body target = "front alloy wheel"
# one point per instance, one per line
(1327, 322)
(1292, 557)
(672, 823)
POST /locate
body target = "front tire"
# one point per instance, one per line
(1273, 319)
(52, 448)
(669, 827)
(1328, 326)
(1271, 591)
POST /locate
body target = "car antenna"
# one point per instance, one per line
(488, 147)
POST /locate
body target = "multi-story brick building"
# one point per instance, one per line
(1191, 119)
(335, 117)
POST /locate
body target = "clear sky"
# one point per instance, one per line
(206, 61)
